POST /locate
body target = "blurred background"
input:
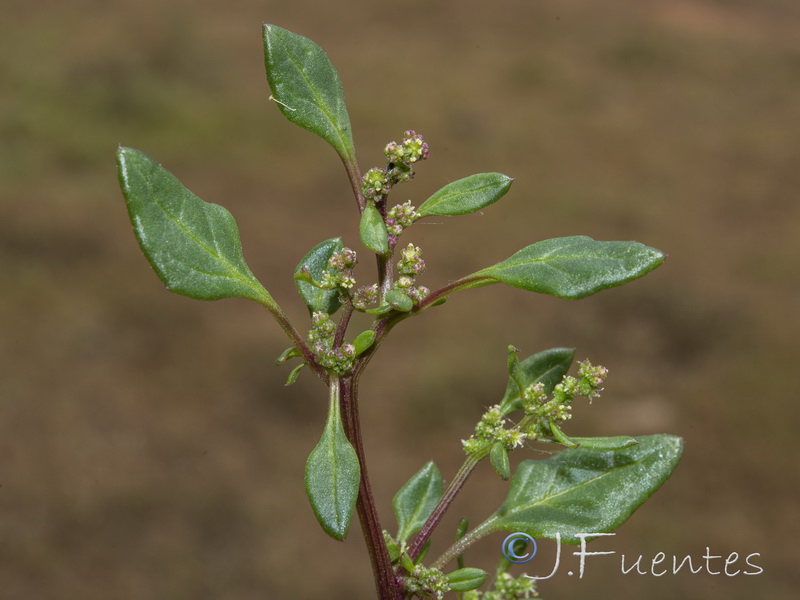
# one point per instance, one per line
(148, 448)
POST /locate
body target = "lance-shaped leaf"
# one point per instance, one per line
(307, 88)
(415, 501)
(466, 579)
(572, 267)
(467, 195)
(314, 264)
(373, 230)
(333, 475)
(193, 245)
(585, 491)
(547, 367)
(498, 456)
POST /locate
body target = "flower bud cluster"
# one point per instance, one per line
(400, 217)
(506, 587)
(410, 265)
(320, 340)
(428, 581)
(376, 183)
(412, 149)
(364, 296)
(340, 270)
(411, 262)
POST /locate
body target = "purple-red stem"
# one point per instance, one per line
(447, 499)
(386, 582)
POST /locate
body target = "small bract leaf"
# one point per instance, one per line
(406, 562)
(363, 341)
(415, 501)
(393, 548)
(515, 373)
(373, 230)
(463, 526)
(193, 245)
(585, 491)
(562, 437)
(547, 367)
(294, 374)
(333, 475)
(307, 88)
(399, 301)
(499, 459)
(572, 267)
(290, 352)
(467, 195)
(313, 265)
(466, 579)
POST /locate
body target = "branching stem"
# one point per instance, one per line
(447, 499)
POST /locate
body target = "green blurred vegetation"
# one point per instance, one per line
(147, 447)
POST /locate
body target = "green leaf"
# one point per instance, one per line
(373, 230)
(461, 531)
(399, 301)
(294, 374)
(561, 437)
(467, 195)
(193, 245)
(415, 501)
(307, 88)
(618, 442)
(515, 374)
(572, 267)
(314, 264)
(547, 367)
(583, 490)
(290, 352)
(498, 456)
(333, 475)
(466, 579)
(406, 562)
(364, 340)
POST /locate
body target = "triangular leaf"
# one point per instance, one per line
(193, 245)
(583, 490)
(415, 501)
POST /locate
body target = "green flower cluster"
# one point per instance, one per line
(320, 340)
(410, 265)
(506, 587)
(429, 582)
(398, 218)
(340, 270)
(540, 412)
(376, 183)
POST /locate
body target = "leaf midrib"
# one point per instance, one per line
(198, 241)
(548, 500)
(318, 97)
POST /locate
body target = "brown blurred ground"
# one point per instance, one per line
(147, 447)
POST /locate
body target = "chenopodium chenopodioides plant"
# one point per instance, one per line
(591, 486)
